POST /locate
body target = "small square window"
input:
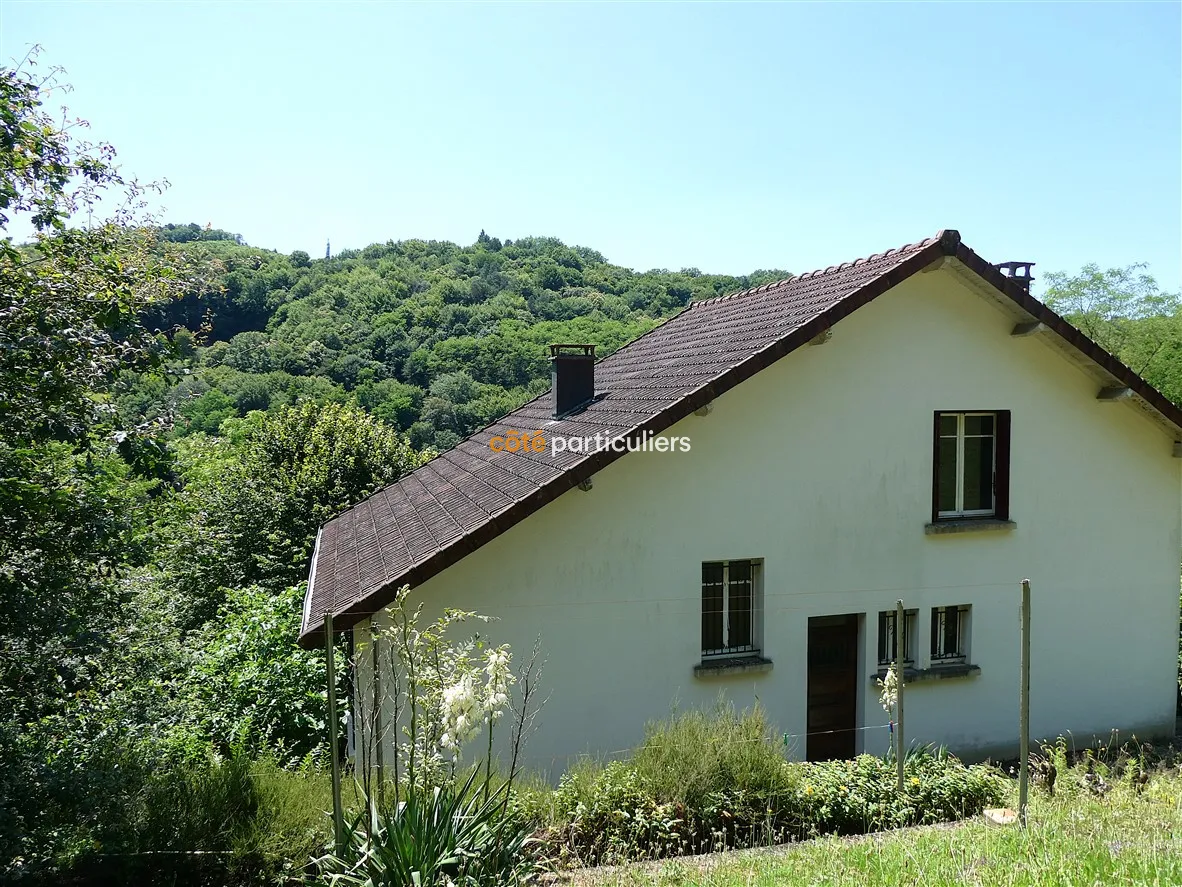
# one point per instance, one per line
(730, 608)
(950, 633)
(971, 465)
(886, 637)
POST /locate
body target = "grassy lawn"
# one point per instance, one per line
(1075, 839)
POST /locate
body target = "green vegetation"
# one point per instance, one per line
(1124, 311)
(712, 781)
(436, 817)
(186, 656)
(448, 833)
(432, 338)
(254, 822)
(437, 339)
(1125, 833)
(148, 678)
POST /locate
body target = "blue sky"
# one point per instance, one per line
(726, 137)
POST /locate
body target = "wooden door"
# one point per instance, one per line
(832, 687)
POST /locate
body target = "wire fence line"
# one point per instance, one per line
(785, 738)
(890, 726)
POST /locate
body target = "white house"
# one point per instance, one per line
(912, 425)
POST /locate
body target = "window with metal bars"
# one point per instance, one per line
(886, 637)
(730, 608)
(949, 634)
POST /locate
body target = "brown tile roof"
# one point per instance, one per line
(465, 497)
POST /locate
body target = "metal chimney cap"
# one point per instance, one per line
(1018, 272)
(1014, 268)
(570, 350)
(572, 376)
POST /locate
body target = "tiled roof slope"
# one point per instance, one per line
(466, 496)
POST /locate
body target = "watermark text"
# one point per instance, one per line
(539, 442)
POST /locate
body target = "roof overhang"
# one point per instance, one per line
(1034, 318)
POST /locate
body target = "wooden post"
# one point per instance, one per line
(900, 640)
(338, 812)
(1024, 707)
(377, 713)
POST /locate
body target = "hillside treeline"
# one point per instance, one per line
(433, 338)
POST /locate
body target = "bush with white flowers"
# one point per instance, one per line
(444, 690)
(888, 692)
(433, 817)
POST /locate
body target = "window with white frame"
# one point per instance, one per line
(886, 637)
(730, 608)
(950, 634)
(971, 465)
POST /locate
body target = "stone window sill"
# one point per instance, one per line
(935, 673)
(967, 525)
(734, 665)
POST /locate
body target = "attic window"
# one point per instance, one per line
(971, 465)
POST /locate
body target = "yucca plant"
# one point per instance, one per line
(436, 836)
(438, 821)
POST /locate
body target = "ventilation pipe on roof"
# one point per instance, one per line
(1019, 272)
(572, 375)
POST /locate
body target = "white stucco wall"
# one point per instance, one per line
(821, 466)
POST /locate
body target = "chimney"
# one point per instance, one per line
(572, 373)
(1019, 272)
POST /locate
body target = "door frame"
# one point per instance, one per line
(860, 679)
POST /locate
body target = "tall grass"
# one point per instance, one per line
(210, 805)
(198, 819)
(293, 822)
(690, 756)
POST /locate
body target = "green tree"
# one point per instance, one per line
(394, 403)
(251, 684)
(249, 514)
(194, 232)
(458, 388)
(71, 304)
(249, 352)
(71, 503)
(1125, 312)
(207, 412)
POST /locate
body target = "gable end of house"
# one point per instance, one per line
(470, 495)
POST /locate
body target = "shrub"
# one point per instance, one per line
(430, 825)
(251, 685)
(174, 814)
(858, 796)
(710, 781)
(609, 814)
(693, 755)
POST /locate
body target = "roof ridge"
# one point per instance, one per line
(818, 272)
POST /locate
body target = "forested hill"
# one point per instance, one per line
(433, 338)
